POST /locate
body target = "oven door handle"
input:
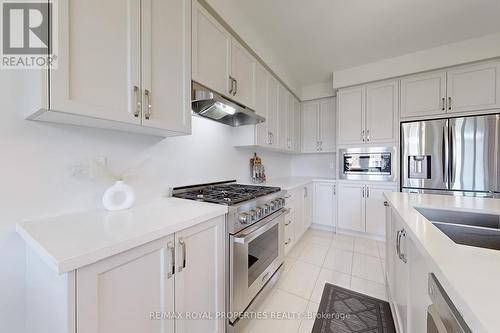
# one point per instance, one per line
(245, 236)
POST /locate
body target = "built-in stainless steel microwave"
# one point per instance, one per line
(369, 163)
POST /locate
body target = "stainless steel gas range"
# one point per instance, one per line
(255, 242)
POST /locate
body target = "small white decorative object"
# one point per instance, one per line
(120, 196)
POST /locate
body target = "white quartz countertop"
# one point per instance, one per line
(290, 183)
(470, 275)
(68, 242)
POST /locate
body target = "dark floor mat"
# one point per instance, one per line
(346, 311)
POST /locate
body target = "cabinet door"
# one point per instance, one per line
(291, 122)
(243, 72)
(211, 54)
(200, 279)
(351, 208)
(323, 204)
(381, 112)
(166, 64)
(272, 109)
(300, 224)
(375, 210)
(418, 299)
(283, 117)
(310, 124)
(308, 205)
(474, 88)
(423, 95)
(262, 133)
(297, 126)
(351, 115)
(117, 294)
(401, 278)
(327, 125)
(99, 60)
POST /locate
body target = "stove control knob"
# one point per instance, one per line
(267, 209)
(244, 218)
(272, 205)
(278, 203)
(260, 211)
(253, 215)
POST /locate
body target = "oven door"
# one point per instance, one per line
(255, 255)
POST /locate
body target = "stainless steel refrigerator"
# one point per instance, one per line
(457, 156)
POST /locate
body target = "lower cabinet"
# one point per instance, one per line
(406, 276)
(324, 204)
(299, 216)
(137, 290)
(360, 206)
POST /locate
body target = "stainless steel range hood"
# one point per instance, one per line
(209, 104)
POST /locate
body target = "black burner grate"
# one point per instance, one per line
(227, 194)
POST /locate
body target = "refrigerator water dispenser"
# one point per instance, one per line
(419, 166)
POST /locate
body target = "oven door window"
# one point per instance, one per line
(262, 251)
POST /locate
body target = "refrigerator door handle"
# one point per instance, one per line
(444, 154)
(452, 154)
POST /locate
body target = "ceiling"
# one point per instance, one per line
(313, 38)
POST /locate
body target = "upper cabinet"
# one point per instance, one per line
(211, 56)
(243, 75)
(220, 62)
(318, 126)
(474, 88)
(115, 73)
(423, 95)
(461, 89)
(367, 114)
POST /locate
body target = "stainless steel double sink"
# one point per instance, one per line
(473, 229)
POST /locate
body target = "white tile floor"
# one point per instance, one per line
(319, 257)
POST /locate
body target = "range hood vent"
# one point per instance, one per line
(209, 104)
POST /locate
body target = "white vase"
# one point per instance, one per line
(120, 196)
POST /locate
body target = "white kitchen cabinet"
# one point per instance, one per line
(116, 294)
(243, 72)
(361, 207)
(272, 110)
(283, 99)
(368, 114)
(474, 87)
(136, 90)
(297, 125)
(291, 123)
(381, 112)
(458, 90)
(211, 55)
(182, 272)
(324, 203)
(310, 120)
(199, 279)
(318, 126)
(308, 205)
(290, 231)
(423, 95)
(262, 137)
(351, 115)
(351, 207)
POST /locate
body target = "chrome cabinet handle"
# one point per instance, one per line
(321, 146)
(287, 224)
(137, 109)
(363, 191)
(367, 135)
(334, 190)
(363, 135)
(397, 243)
(235, 87)
(288, 241)
(449, 103)
(171, 247)
(231, 84)
(443, 101)
(305, 192)
(386, 204)
(183, 246)
(367, 192)
(401, 233)
(147, 94)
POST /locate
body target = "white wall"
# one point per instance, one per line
(38, 163)
(314, 165)
(442, 56)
